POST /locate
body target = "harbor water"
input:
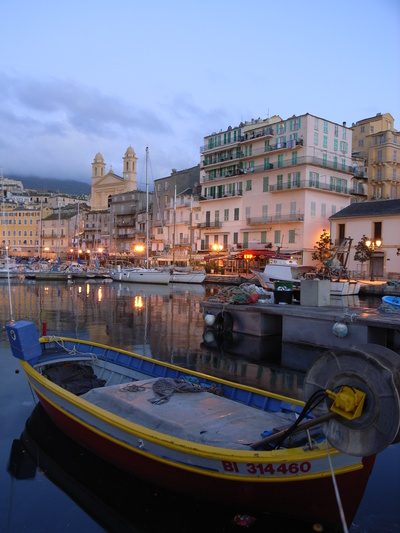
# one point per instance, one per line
(71, 490)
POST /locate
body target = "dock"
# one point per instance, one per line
(302, 328)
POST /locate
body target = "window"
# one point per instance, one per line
(294, 158)
(292, 208)
(277, 236)
(323, 210)
(267, 166)
(292, 235)
(216, 217)
(248, 185)
(325, 126)
(248, 212)
(336, 130)
(377, 231)
(335, 144)
(279, 182)
(324, 159)
(265, 214)
(313, 209)
(361, 142)
(265, 184)
(395, 156)
(236, 214)
(226, 215)
(235, 238)
(362, 129)
(263, 237)
(316, 138)
(278, 210)
(379, 156)
(280, 160)
(325, 141)
(316, 124)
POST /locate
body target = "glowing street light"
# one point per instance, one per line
(217, 247)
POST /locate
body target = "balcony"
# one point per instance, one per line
(306, 184)
(211, 225)
(261, 221)
(306, 160)
(249, 135)
(220, 196)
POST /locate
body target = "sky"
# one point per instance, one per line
(79, 77)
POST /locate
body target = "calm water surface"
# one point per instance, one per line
(80, 493)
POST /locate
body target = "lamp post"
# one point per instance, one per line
(372, 244)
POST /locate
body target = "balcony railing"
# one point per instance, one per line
(211, 225)
(256, 133)
(306, 160)
(217, 158)
(306, 184)
(219, 196)
(258, 221)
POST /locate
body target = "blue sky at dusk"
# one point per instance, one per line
(85, 76)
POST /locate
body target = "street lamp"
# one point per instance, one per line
(372, 245)
(217, 247)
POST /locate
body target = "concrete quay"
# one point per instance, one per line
(308, 329)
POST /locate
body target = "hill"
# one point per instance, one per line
(47, 184)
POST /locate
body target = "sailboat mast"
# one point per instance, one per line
(147, 209)
(173, 235)
(190, 230)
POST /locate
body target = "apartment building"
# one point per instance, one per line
(271, 183)
(376, 146)
(176, 216)
(59, 230)
(128, 222)
(20, 228)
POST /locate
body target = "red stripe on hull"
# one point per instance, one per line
(310, 500)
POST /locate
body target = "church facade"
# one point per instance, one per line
(105, 185)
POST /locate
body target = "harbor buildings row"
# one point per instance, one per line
(263, 184)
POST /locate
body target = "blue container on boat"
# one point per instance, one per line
(24, 340)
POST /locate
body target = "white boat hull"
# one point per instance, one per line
(141, 275)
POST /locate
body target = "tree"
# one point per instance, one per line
(323, 248)
(362, 251)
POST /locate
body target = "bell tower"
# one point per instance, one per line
(98, 172)
(129, 171)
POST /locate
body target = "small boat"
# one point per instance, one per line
(216, 440)
(141, 275)
(289, 271)
(392, 301)
(187, 275)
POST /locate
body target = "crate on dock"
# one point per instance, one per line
(315, 292)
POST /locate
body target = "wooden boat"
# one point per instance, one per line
(392, 301)
(211, 438)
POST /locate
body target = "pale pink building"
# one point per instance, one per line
(274, 182)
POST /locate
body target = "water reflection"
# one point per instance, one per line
(164, 322)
